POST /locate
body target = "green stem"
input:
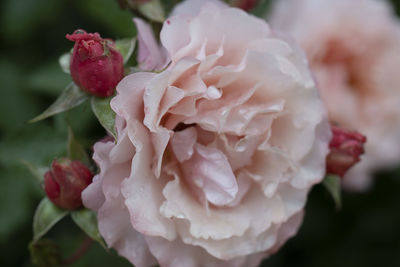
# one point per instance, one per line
(79, 252)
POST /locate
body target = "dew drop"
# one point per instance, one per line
(241, 145)
(213, 92)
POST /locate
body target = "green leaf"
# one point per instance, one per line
(332, 184)
(106, 116)
(261, 9)
(37, 171)
(126, 47)
(75, 149)
(153, 10)
(71, 97)
(87, 221)
(46, 216)
(45, 253)
(64, 61)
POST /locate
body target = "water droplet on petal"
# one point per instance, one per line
(213, 92)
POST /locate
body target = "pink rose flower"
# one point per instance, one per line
(354, 51)
(216, 154)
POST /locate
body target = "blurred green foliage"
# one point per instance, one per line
(366, 232)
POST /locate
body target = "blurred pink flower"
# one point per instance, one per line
(354, 51)
(216, 154)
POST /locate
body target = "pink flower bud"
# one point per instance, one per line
(345, 150)
(96, 66)
(65, 181)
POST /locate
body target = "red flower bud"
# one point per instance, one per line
(246, 5)
(65, 181)
(96, 66)
(346, 147)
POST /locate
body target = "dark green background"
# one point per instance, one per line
(366, 232)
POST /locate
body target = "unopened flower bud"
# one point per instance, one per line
(65, 181)
(96, 66)
(246, 5)
(346, 147)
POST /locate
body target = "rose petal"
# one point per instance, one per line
(143, 187)
(150, 55)
(114, 223)
(209, 170)
(192, 7)
(187, 256)
(182, 143)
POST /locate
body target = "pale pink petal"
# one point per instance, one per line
(178, 254)
(239, 151)
(93, 196)
(174, 34)
(219, 224)
(160, 141)
(123, 150)
(158, 92)
(193, 7)
(114, 223)
(143, 187)
(182, 144)
(244, 185)
(180, 204)
(115, 227)
(128, 102)
(288, 230)
(209, 170)
(150, 55)
(312, 171)
(237, 26)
